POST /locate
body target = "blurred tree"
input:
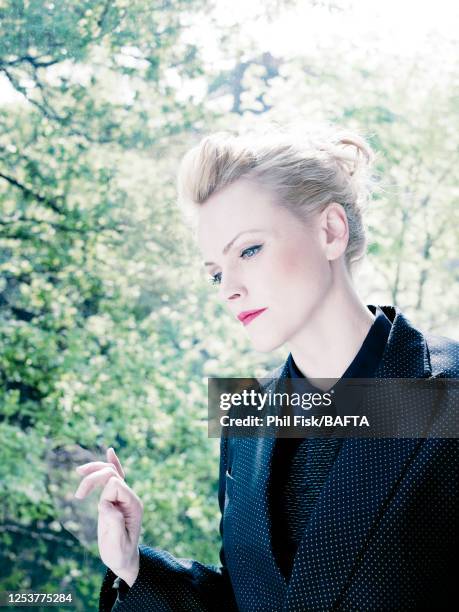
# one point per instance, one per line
(101, 341)
(107, 329)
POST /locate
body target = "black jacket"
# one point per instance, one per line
(382, 536)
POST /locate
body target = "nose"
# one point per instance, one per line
(231, 289)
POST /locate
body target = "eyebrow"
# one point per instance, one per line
(230, 244)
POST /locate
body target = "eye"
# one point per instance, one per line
(251, 251)
(216, 279)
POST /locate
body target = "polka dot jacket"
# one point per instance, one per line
(383, 534)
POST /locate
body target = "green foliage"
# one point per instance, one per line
(108, 331)
(92, 355)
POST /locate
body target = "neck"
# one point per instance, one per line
(333, 335)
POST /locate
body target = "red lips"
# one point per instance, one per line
(246, 316)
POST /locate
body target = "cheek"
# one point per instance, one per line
(294, 283)
(299, 267)
(287, 275)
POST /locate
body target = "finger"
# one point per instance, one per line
(87, 468)
(97, 478)
(113, 458)
(92, 466)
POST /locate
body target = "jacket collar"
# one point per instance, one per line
(393, 362)
(404, 335)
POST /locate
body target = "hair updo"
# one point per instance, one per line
(306, 168)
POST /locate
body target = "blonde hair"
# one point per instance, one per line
(306, 167)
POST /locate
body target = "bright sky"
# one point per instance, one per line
(396, 27)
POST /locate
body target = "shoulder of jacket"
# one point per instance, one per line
(444, 355)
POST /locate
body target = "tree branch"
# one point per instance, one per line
(63, 228)
(33, 61)
(48, 112)
(38, 535)
(49, 202)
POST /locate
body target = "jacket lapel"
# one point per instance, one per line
(251, 563)
(248, 533)
(358, 490)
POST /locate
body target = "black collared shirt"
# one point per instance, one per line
(300, 466)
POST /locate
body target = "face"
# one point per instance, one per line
(262, 257)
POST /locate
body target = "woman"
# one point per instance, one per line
(307, 524)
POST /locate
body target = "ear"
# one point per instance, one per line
(334, 230)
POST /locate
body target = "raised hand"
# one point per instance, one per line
(120, 515)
